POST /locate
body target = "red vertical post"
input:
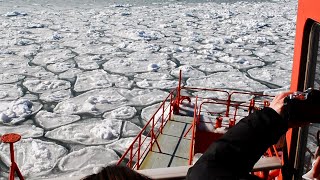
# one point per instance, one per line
(235, 112)
(177, 100)
(266, 103)
(12, 138)
(251, 106)
(228, 105)
(232, 122)
(11, 152)
(152, 133)
(170, 106)
(218, 122)
(130, 160)
(199, 111)
(162, 117)
(139, 149)
(191, 151)
(179, 86)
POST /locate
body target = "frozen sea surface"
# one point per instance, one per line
(102, 66)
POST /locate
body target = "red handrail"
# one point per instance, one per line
(140, 152)
(228, 102)
(193, 132)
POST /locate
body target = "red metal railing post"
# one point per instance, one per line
(139, 149)
(179, 86)
(11, 152)
(152, 133)
(176, 108)
(158, 145)
(218, 122)
(12, 168)
(162, 119)
(199, 112)
(232, 122)
(193, 133)
(251, 106)
(195, 117)
(130, 160)
(171, 96)
(12, 138)
(228, 105)
(266, 103)
(235, 112)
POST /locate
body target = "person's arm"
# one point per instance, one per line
(235, 153)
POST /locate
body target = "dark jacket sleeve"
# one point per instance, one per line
(235, 153)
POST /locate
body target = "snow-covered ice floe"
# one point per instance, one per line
(140, 63)
(155, 80)
(102, 100)
(123, 144)
(229, 80)
(52, 56)
(89, 157)
(10, 92)
(97, 132)
(130, 130)
(100, 79)
(12, 112)
(49, 120)
(26, 131)
(95, 101)
(279, 77)
(56, 96)
(41, 86)
(34, 157)
(124, 113)
(143, 97)
(187, 72)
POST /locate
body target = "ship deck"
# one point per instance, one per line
(174, 146)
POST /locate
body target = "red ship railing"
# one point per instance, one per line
(194, 122)
(228, 102)
(258, 101)
(147, 137)
(152, 129)
(252, 105)
(145, 140)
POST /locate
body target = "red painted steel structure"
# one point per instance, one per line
(194, 123)
(308, 14)
(204, 138)
(11, 139)
(200, 140)
(149, 130)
